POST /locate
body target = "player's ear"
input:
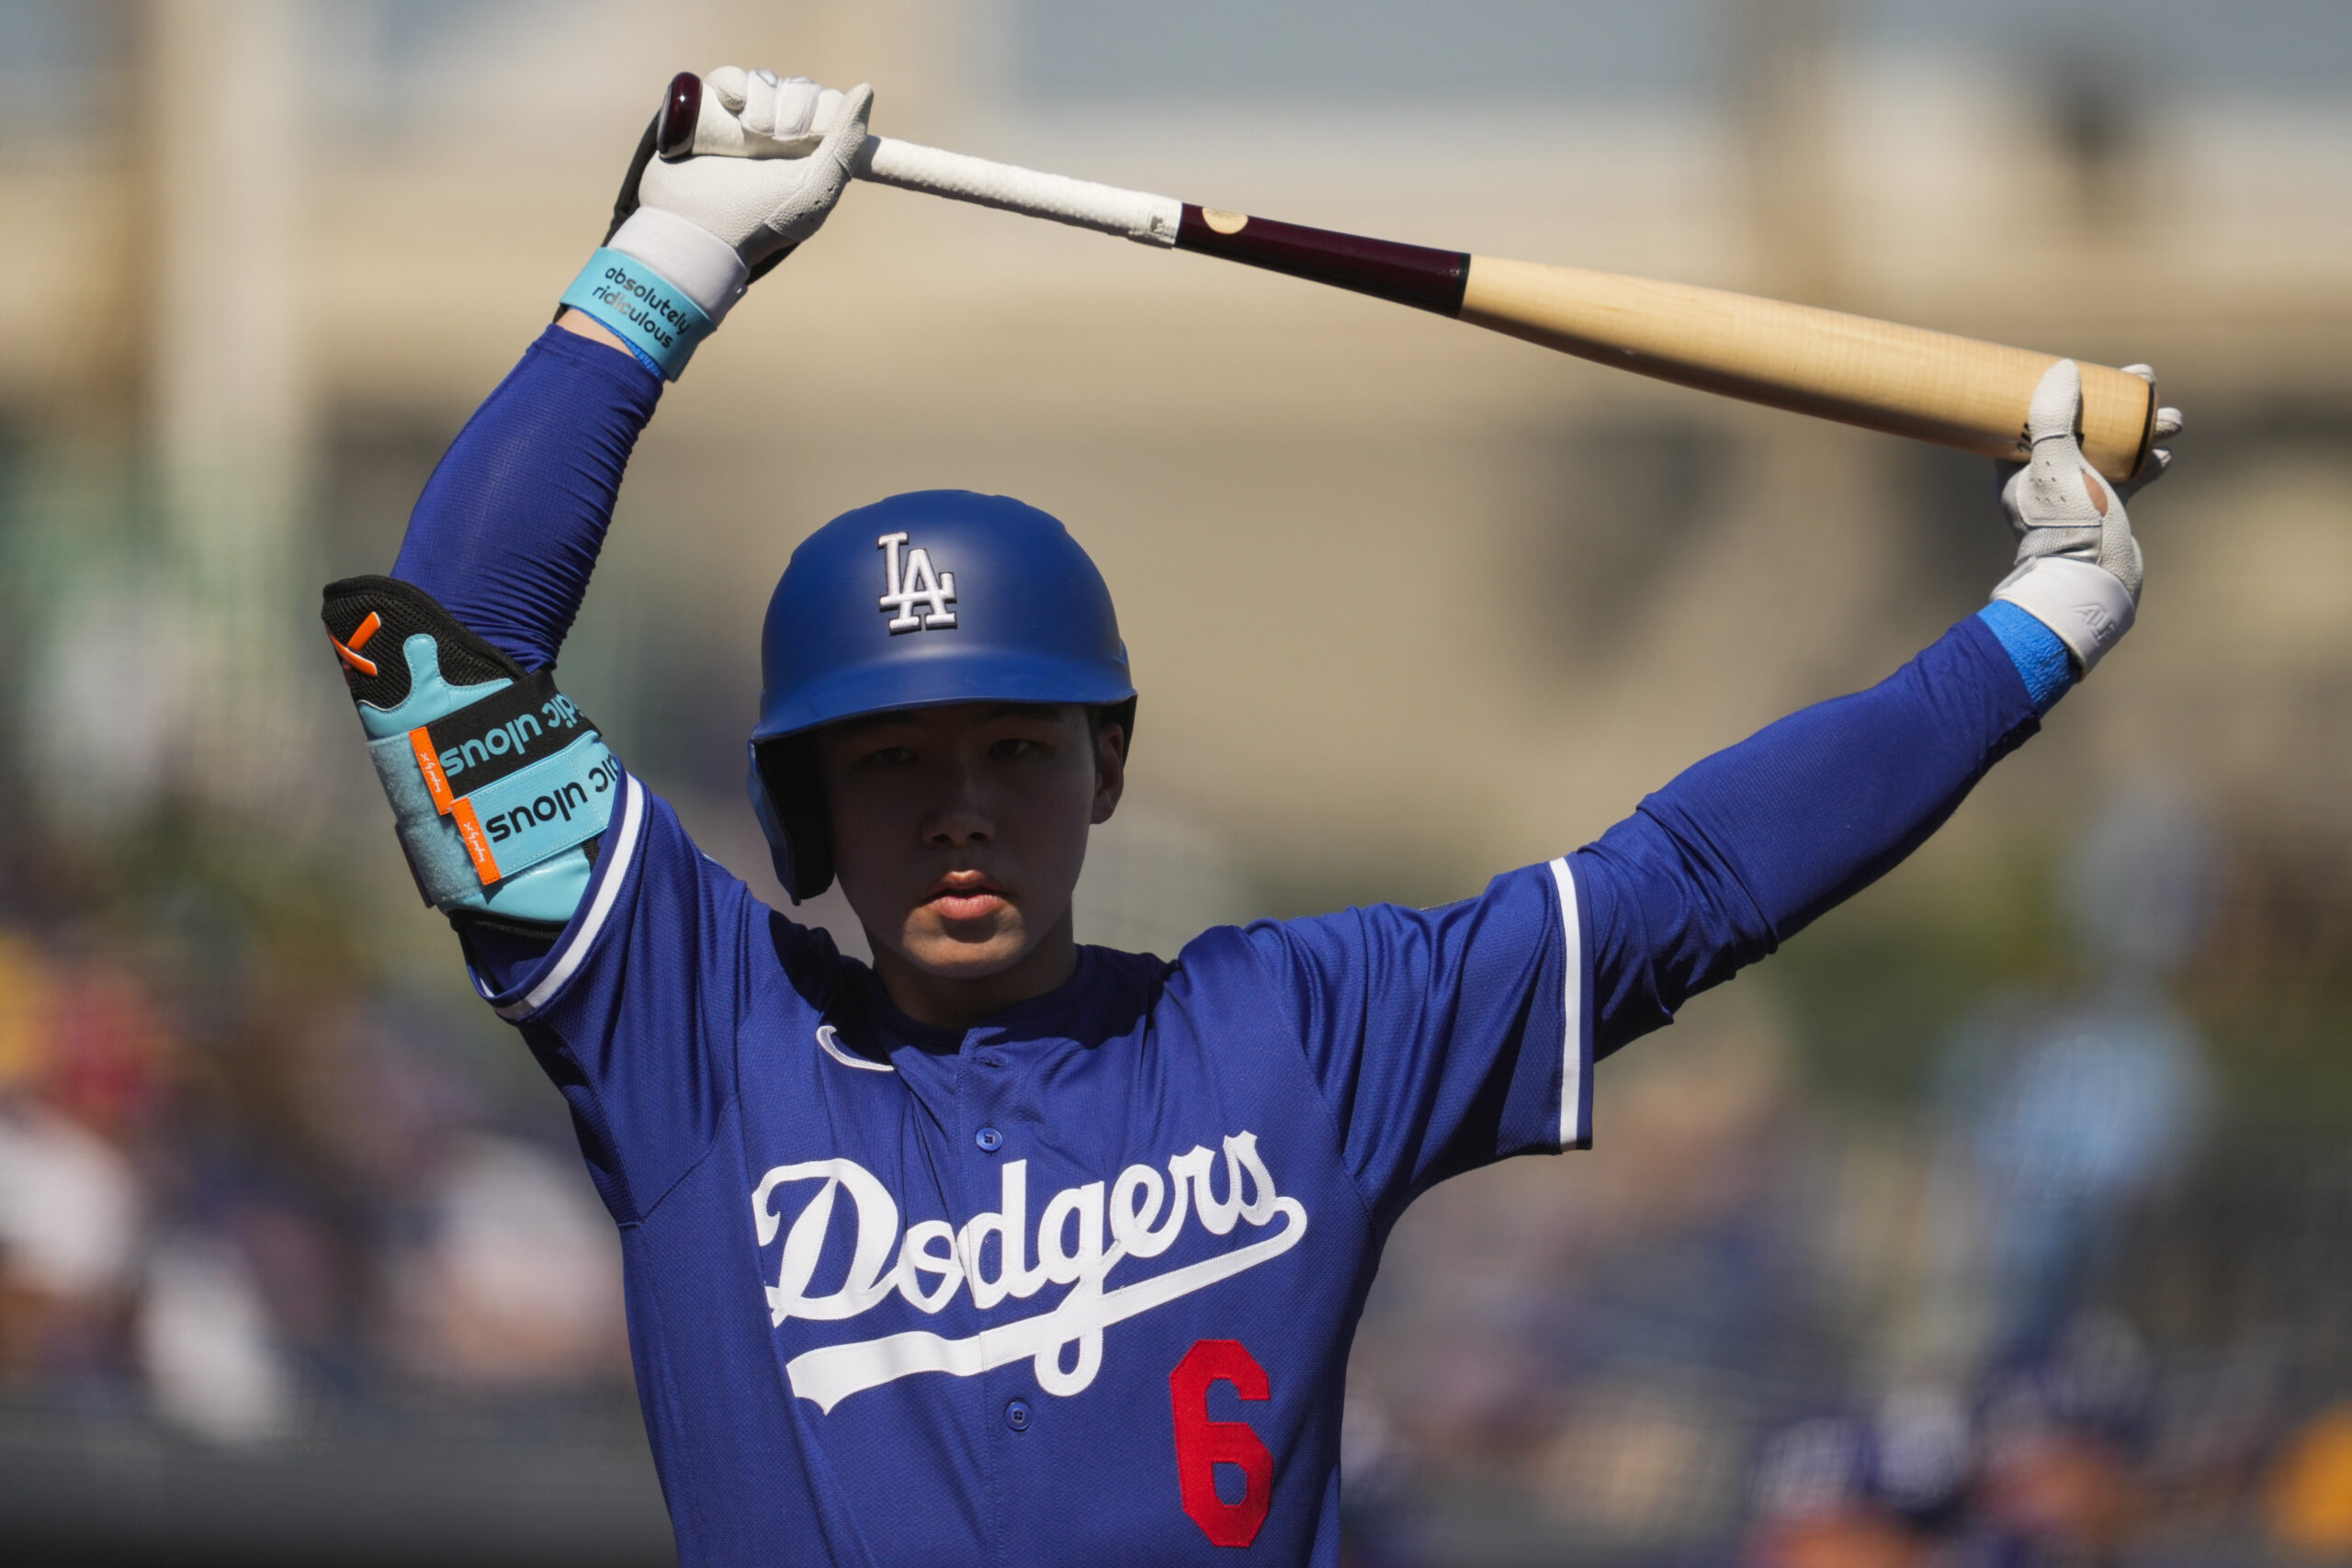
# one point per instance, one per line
(1109, 729)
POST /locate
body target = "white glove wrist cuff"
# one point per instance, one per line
(2087, 605)
(700, 264)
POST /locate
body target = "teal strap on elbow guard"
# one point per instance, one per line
(656, 318)
(499, 783)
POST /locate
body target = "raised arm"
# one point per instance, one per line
(1749, 846)
(508, 528)
(500, 786)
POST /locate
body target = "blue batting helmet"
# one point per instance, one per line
(937, 596)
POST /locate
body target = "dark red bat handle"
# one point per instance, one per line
(1409, 274)
(681, 107)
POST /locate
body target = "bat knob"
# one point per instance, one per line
(681, 111)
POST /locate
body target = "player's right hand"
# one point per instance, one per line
(770, 159)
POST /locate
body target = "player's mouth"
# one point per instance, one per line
(966, 895)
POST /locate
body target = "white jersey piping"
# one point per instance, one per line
(568, 958)
(1573, 1130)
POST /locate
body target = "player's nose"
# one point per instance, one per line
(958, 816)
(956, 830)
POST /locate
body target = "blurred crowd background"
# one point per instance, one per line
(2003, 1219)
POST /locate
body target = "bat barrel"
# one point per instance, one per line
(1930, 386)
(1905, 380)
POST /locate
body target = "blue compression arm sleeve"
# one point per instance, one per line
(509, 525)
(508, 528)
(1746, 848)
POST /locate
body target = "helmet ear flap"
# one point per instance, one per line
(788, 797)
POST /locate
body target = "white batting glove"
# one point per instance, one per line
(770, 159)
(2078, 569)
(2165, 426)
(757, 114)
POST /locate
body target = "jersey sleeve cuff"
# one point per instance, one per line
(1576, 1009)
(543, 981)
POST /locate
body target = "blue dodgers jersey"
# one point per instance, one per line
(1074, 1286)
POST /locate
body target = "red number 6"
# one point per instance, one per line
(1202, 1444)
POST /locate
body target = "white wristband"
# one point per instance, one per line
(701, 265)
(2087, 606)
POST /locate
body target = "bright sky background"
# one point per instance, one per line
(1533, 51)
(1541, 49)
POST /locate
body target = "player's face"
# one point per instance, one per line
(959, 833)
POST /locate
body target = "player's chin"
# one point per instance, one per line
(971, 949)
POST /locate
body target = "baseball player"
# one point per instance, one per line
(1008, 1249)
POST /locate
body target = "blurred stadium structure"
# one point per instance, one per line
(1960, 1224)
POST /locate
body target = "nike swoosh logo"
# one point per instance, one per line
(828, 1040)
(832, 1375)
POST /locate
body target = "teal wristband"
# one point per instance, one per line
(645, 310)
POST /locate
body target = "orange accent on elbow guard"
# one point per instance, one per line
(477, 841)
(349, 651)
(437, 782)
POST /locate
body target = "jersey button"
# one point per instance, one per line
(1016, 1414)
(990, 1140)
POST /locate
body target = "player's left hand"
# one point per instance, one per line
(2078, 567)
(2166, 425)
(2057, 503)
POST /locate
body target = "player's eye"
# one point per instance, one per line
(888, 757)
(1015, 746)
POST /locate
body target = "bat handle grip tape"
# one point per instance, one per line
(1409, 274)
(1132, 214)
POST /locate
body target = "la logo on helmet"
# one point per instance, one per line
(918, 584)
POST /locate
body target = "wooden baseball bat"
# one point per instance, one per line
(1905, 380)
